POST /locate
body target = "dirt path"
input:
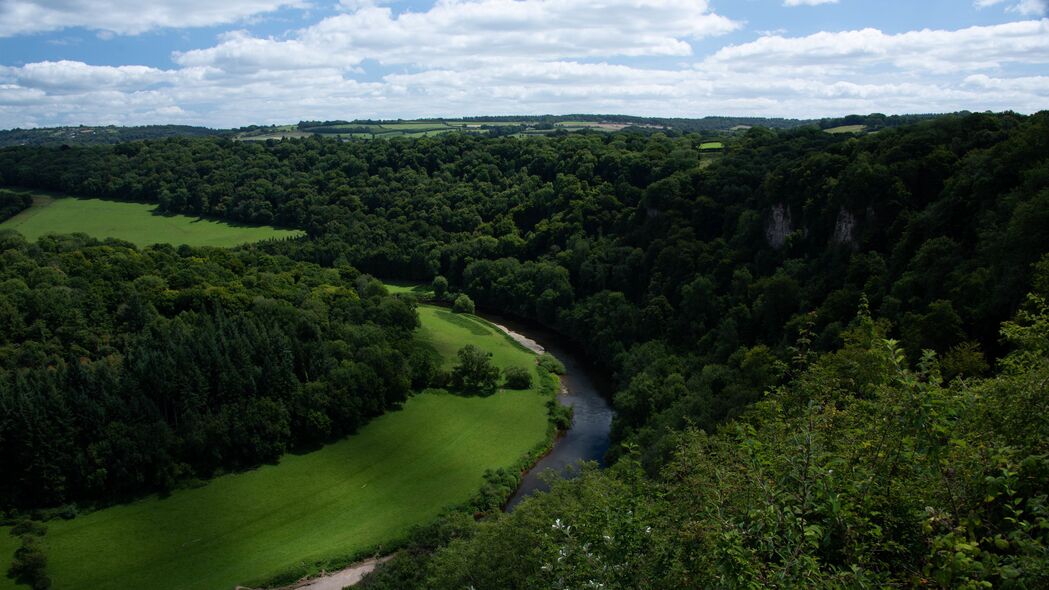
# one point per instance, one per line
(342, 578)
(521, 339)
(337, 580)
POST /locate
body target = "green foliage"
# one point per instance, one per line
(12, 203)
(318, 509)
(463, 304)
(109, 134)
(498, 486)
(475, 374)
(440, 287)
(517, 378)
(720, 294)
(560, 416)
(550, 363)
(964, 360)
(859, 472)
(143, 368)
(29, 565)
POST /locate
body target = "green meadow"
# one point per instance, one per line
(8, 545)
(846, 129)
(360, 493)
(137, 223)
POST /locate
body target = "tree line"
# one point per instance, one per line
(125, 371)
(687, 275)
(703, 282)
(861, 471)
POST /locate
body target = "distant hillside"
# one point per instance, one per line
(515, 125)
(83, 135)
(520, 126)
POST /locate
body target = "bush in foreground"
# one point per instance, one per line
(463, 304)
(475, 373)
(517, 378)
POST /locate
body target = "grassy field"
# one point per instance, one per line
(364, 491)
(712, 145)
(846, 129)
(8, 544)
(419, 126)
(134, 222)
(409, 289)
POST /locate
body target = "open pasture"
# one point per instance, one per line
(138, 223)
(356, 494)
(846, 129)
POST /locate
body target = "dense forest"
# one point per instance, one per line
(842, 298)
(12, 203)
(124, 371)
(859, 472)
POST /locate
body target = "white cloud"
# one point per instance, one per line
(808, 2)
(127, 17)
(475, 57)
(1038, 85)
(483, 30)
(64, 77)
(1031, 7)
(916, 52)
(1024, 7)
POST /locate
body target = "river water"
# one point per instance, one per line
(583, 389)
(587, 439)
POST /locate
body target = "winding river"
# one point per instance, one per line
(581, 388)
(587, 439)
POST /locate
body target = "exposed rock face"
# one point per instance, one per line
(844, 227)
(778, 227)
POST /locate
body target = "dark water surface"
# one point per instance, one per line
(583, 388)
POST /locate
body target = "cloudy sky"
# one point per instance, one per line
(237, 62)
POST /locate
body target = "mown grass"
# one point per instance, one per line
(846, 129)
(419, 126)
(8, 545)
(137, 223)
(362, 492)
(712, 145)
(399, 288)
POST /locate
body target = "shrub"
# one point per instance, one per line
(517, 378)
(440, 287)
(475, 372)
(463, 304)
(12, 203)
(29, 565)
(550, 363)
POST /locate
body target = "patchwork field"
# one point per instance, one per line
(426, 128)
(364, 491)
(134, 222)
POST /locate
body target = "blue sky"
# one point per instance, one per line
(237, 62)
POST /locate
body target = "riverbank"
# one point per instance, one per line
(314, 511)
(585, 440)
